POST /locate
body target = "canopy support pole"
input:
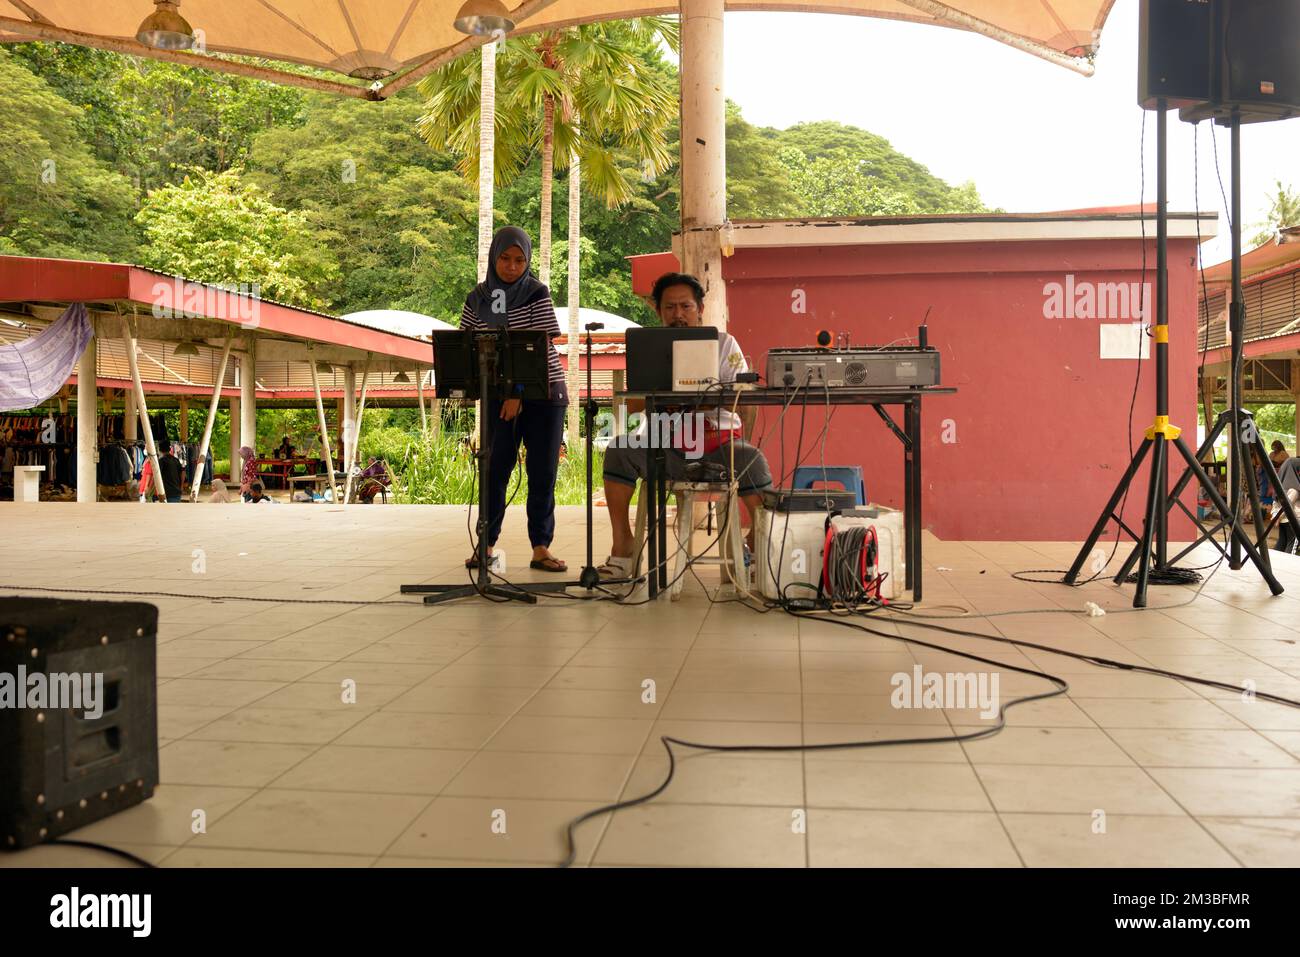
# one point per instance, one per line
(356, 433)
(320, 417)
(424, 419)
(142, 407)
(87, 423)
(703, 152)
(197, 484)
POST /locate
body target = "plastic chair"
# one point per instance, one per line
(848, 477)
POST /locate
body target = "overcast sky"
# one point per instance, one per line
(1032, 135)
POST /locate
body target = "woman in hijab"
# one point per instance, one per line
(512, 297)
(248, 473)
(219, 495)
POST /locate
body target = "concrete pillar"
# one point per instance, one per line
(703, 152)
(234, 443)
(87, 424)
(248, 396)
(340, 416)
(620, 405)
(348, 415)
(419, 393)
(1295, 397)
(132, 417)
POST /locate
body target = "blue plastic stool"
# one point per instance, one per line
(849, 477)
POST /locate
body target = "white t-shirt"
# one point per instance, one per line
(731, 362)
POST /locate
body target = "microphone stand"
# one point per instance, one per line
(589, 580)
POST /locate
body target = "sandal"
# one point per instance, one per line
(616, 566)
(548, 564)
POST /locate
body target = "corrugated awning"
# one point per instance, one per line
(391, 37)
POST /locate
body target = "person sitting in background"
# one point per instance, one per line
(373, 480)
(219, 494)
(169, 467)
(1261, 479)
(285, 449)
(248, 472)
(1278, 455)
(1287, 534)
(255, 494)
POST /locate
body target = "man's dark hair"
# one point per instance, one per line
(257, 486)
(670, 279)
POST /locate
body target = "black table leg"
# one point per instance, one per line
(913, 498)
(661, 505)
(650, 502)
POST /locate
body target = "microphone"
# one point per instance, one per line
(593, 326)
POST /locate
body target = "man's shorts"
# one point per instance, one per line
(626, 464)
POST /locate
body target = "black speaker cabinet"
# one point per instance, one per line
(1209, 58)
(1258, 62)
(1175, 52)
(78, 713)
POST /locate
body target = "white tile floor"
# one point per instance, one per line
(479, 730)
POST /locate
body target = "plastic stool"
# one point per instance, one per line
(731, 544)
(849, 477)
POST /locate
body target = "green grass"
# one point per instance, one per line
(440, 472)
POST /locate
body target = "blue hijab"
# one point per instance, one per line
(518, 293)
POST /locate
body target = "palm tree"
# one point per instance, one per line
(584, 92)
(1283, 212)
(460, 98)
(596, 97)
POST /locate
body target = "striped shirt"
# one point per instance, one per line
(538, 314)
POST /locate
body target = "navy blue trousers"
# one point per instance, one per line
(540, 427)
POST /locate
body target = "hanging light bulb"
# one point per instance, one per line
(165, 28)
(480, 18)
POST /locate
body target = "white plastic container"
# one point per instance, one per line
(801, 558)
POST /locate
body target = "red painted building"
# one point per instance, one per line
(1038, 320)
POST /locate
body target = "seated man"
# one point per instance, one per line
(256, 494)
(679, 300)
(285, 449)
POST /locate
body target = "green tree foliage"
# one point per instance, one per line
(343, 205)
(1283, 212)
(645, 224)
(758, 183)
(399, 221)
(152, 120)
(861, 154)
(214, 228)
(56, 197)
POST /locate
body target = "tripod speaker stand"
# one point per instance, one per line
(508, 364)
(1151, 553)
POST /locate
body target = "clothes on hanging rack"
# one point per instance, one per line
(114, 466)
